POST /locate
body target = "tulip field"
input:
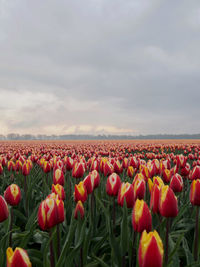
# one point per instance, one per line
(99, 203)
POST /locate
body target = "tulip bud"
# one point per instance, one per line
(78, 170)
(130, 171)
(58, 177)
(195, 174)
(47, 214)
(69, 163)
(139, 187)
(11, 166)
(166, 175)
(1, 169)
(176, 183)
(17, 258)
(117, 167)
(141, 217)
(168, 206)
(113, 184)
(80, 192)
(195, 192)
(26, 168)
(12, 195)
(4, 212)
(59, 190)
(46, 166)
(151, 250)
(126, 192)
(108, 168)
(154, 201)
(79, 210)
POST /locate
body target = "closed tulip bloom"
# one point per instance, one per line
(80, 192)
(26, 168)
(79, 210)
(195, 192)
(117, 167)
(168, 206)
(17, 258)
(11, 166)
(18, 166)
(186, 170)
(113, 184)
(150, 253)
(96, 178)
(78, 170)
(47, 214)
(126, 192)
(139, 187)
(59, 190)
(130, 171)
(58, 177)
(176, 183)
(195, 174)
(61, 210)
(94, 165)
(12, 195)
(1, 169)
(69, 163)
(141, 217)
(89, 183)
(108, 168)
(154, 200)
(46, 166)
(4, 212)
(180, 161)
(166, 175)
(125, 163)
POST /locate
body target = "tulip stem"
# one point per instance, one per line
(26, 198)
(196, 235)
(58, 240)
(167, 240)
(134, 250)
(10, 228)
(51, 249)
(113, 214)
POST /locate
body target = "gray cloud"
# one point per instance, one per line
(89, 65)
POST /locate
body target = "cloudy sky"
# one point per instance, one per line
(99, 66)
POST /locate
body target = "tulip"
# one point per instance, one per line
(113, 184)
(26, 168)
(151, 250)
(96, 178)
(46, 166)
(130, 171)
(79, 210)
(139, 187)
(180, 161)
(78, 170)
(176, 183)
(18, 166)
(168, 206)
(47, 214)
(12, 195)
(126, 192)
(4, 212)
(154, 200)
(80, 192)
(58, 177)
(117, 167)
(108, 168)
(1, 169)
(166, 175)
(195, 174)
(11, 166)
(17, 258)
(195, 192)
(195, 200)
(69, 163)
(59, 190)
(141, 217)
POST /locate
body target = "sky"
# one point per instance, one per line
(100, 67)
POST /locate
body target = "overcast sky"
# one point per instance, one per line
(100, 66)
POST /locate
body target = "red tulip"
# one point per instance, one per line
(195, 174)
(139, 187)
(126, 192)
(168, 206)
(17, 258)
(130, 171)
(59, 190)
(12, 195)
(113, 184)
(79, 210)
(176, 183)
(154, 201)
(4, 212)
(195, 192)
(151, 250)
(78, 170)
(58, 177)
(141, 217)
(80, 192)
